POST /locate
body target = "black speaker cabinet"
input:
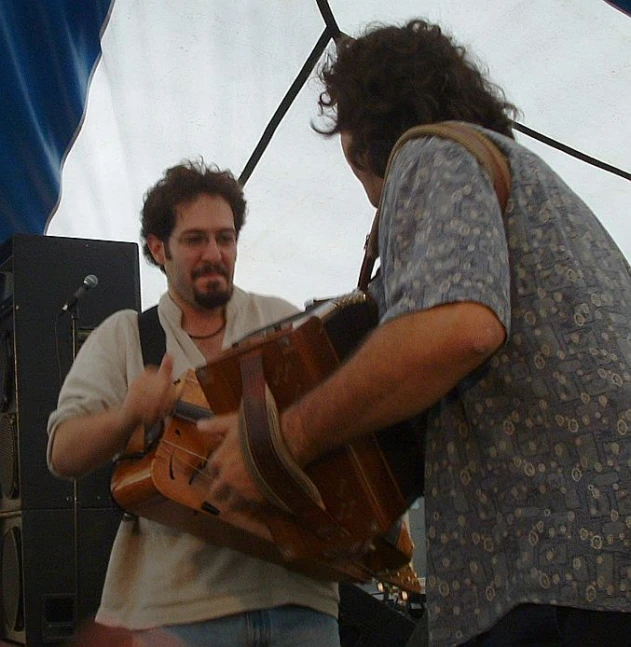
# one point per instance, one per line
(38, 275)
(55, 535)
(53, 565)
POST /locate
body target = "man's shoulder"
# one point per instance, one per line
(266, 302)
(116, 327)
(120, 318)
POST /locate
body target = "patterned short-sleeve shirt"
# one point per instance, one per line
(528, 460)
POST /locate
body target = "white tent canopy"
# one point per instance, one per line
(203, 78)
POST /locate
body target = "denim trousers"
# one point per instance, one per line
(534, 625)
(286, 626)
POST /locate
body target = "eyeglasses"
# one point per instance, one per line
(197, 240)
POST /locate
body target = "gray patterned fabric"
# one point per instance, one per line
(528, 477)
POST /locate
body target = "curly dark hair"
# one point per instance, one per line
(182, 184)
(393, 78)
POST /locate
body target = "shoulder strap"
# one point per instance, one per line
(152, 337)
(479, 145)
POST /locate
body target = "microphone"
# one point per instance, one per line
(89, 282)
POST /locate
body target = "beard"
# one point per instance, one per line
(213, 297)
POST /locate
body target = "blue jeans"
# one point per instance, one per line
(287, 626)
(544, 625)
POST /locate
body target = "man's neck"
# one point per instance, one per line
(198, 321)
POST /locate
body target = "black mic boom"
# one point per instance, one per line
(89, 282)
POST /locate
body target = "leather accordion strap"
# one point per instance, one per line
(270, 464)
(479, 145)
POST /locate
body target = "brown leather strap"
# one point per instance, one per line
(478, 144)
(371, 254)
(269, 462)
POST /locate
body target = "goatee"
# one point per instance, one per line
(212, 300)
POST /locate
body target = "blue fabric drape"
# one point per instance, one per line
(625, 5)
(48, 49)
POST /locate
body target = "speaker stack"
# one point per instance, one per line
(55, 535)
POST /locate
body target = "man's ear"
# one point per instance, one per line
(157, 249)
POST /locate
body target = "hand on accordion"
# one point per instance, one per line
(231, 486)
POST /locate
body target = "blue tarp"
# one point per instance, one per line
(48, 49)
(625, 5)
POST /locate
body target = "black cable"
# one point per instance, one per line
(571, 151)
(292, 93)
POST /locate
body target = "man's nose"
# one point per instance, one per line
(212, 251)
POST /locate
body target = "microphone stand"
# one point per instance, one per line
(77, 336)
(74, 327)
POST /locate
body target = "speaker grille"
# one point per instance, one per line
(11, 574)
(9, 480)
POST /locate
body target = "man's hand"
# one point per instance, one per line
(231, 486)
(84, 443)
(151, 395)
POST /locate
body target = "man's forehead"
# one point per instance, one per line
(202, 227)
(204, 213)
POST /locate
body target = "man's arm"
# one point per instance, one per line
(82, 444)
(404, 367)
